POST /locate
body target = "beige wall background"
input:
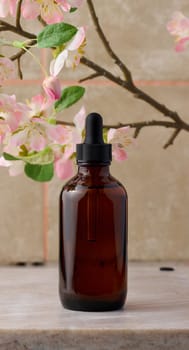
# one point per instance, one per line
(157, 180)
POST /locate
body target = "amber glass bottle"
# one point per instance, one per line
(93, 230)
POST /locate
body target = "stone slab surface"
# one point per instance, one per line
(156, 315)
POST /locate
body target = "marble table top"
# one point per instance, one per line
(156, 315)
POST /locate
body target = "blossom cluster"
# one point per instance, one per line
(31, 140)
(52, 11)
(179, 27)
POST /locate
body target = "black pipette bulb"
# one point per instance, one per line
(94, 150)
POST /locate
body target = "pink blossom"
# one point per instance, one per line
(11, 111)
(7, 69)
(37, 133)
(181, 44)
(52, 87)
(119, 153)
(64, 5)
(79, 120)
(179, 27)
(49, 10)
(30, 9)
(7, 7)
(120, 140)
(68, 56)
(39, 104)
(67, 5)
(59, 134)
(64, 167)
(4, 130)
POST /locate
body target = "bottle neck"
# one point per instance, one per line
(94, 170)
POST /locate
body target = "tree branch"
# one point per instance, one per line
(90, 77)
(20, 74)
(136, 92)
(135, 125)
(138, 126)
(106, 43)
(172, 138)
(5, 26)
(42, 21)
(18, 15)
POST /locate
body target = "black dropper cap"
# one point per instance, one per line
(94, 150)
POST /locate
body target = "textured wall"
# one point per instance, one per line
(157, 180)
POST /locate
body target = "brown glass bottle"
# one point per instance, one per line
(93, 240)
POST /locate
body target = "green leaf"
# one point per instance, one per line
(69, 96)
(43, 157)
(8, 156)
(56, 34)
(73, 9)
(41, 173)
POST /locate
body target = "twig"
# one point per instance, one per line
(106, 43)
(9, 27)
(20, 74)
(136, 92)
(18, 15)
(42, 21)
(172, 138)
(89, 77)
(138, 126)
(135, 125)
(137, 131)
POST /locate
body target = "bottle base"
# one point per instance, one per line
(81, 303)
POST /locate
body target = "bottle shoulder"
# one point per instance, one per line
(79, 182)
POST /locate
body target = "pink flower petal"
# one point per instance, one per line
(59, 134)
(37, 142)
(7, 69)
(179, 25)
(68, 151)
(52, 14)
(52, 87)
(64, 5)
(57, 64)
(67, 5)
(12, 7)
(64, 168)
(18, 139)
(119, 153)
(181, 44)
(4, 8)
(30, 9)
(77, 40)
(79, 119)
(110, 134)
(120, 136)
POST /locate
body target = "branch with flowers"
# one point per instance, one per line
(32, 139)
